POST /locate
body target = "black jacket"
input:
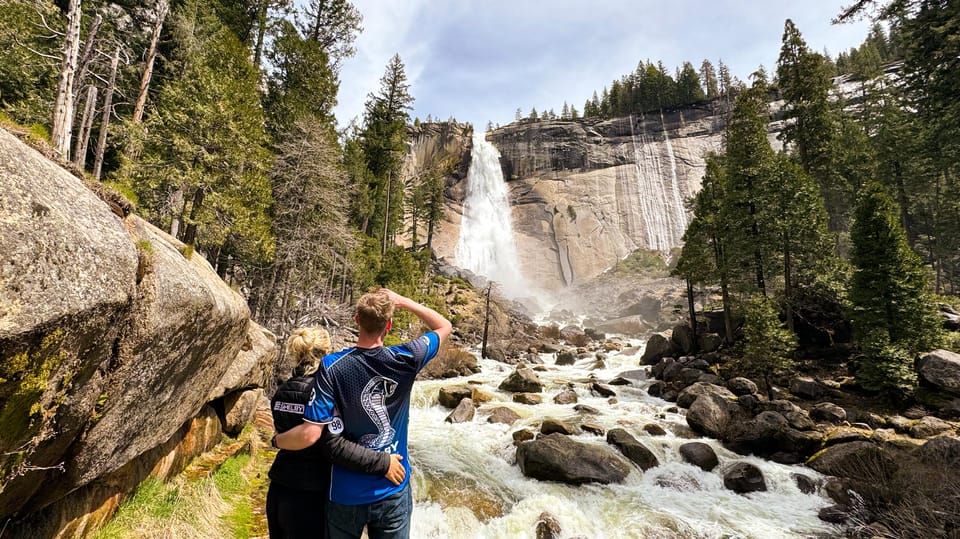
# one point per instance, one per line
(309, 469)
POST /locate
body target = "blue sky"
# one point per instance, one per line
(479, 60)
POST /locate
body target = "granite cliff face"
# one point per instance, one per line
(586, 193)
(120, 357)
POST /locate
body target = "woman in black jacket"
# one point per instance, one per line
(300, 480)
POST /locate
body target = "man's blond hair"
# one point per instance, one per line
(374, 310)
(307, 346)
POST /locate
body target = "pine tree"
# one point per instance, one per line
(206, 140)
(708, 76)
(301, 83)
(767, 345)
(805, 86)
(384, 141)
(892, 309)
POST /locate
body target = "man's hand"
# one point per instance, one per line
(397, 472)
(397, 299)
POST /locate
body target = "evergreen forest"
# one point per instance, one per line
(214, 118)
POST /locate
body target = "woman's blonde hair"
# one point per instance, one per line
(307, 346)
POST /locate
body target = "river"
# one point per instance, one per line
(467, 484)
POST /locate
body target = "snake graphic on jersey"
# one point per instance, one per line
(373, 398)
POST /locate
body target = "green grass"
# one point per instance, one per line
(215, 506)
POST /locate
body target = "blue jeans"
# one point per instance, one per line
(387, 519)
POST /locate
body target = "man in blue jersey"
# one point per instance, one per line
(364, 392)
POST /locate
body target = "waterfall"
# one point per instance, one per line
(660, 200)
(466, 483)
(485, 245)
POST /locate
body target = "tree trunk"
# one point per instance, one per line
(87, 55)
(105, 115)
(386, 218)
(162, 9)
(63, 108)
(86, 123)
(176, 199)
(261, 31)
(787, 283)
(190, 235)
(693, 314)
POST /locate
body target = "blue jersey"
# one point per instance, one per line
(369, 389)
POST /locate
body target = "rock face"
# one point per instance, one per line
(586, 193)
(941, 368)
(111, 344)
(556, 457)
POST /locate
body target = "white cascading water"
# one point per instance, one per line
(467, 485)
(659, 196)
(485, 245)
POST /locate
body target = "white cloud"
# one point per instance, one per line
(481, 60)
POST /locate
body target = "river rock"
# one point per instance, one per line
(657, 388)
(827, 411)
(522, 380)
(741, 386)
(834, 514)
(548, 527)
(593, 428)
(556, 457)
(699, 454)
(502, 414)
(691, 393)
(463, 413)
(941, 369)
(584, 409)
(551, 425)
(450, 396)
(761, 435)
(744, 477)
(856, 460)
(523, 435)
(941, 451)
(602, 390)
(632, 449)
(497, 352)
(807, 388)
(527, 398)
(710, 414)
(658, 346)
(566, 396)
(566, 357)
(654, 430)
(805, 483)
(682, 338)
(928, 427)
(709, 342)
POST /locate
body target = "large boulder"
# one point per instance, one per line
(744, 477)
(463, 413)
(741, 386)
(98, 315)
(566, 357)
(829, 412)
(566, 395)
(807, 388)
(682, 337)
(693, 392)
(450, 396)
(239, 409)
(941, 369)
(711, 414)
(658, 347)
(863, 461)
(254, 365)
(699, 454)
(522, 380)
(632, 449)
(556, 457)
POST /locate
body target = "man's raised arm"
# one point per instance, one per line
(432, 319)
